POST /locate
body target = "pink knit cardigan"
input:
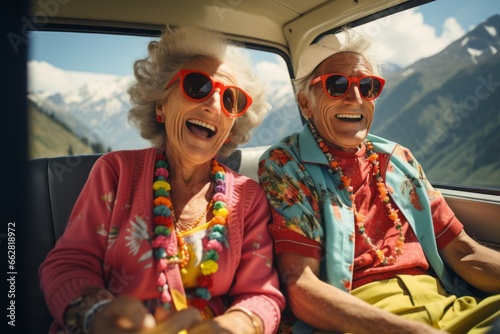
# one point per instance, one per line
(107, 242)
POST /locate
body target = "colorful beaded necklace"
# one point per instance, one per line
(359, 219)
(164, 226)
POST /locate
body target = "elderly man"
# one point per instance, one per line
(364, 243)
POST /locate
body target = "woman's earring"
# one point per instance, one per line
(227, 141)
(159, 119)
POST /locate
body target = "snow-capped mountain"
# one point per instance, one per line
(95, 106)
(466, 53)
(480, 43)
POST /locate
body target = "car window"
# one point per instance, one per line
(78, 101)
(440, 61)
(442, 70)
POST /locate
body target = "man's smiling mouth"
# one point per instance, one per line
(349, 117)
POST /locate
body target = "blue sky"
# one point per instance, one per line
(115, 54)
(112, 54)
(467, 12)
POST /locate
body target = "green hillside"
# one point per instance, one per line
(48, 138)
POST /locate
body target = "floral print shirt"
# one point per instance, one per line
(313, 217)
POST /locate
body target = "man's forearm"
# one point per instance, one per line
(327, 308)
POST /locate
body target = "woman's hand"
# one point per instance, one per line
(126, 314)
(180, 322)
(228, 323)
(123, 314)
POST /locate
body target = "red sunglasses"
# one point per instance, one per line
(337, 85)
(198, 86)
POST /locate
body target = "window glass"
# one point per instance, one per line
(442, 68)
(440, 61)
(78, 101)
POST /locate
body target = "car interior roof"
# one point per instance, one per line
(286, 25)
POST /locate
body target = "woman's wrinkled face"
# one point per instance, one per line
(196, 130)
(342, 122)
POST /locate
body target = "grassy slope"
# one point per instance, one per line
(48, 138)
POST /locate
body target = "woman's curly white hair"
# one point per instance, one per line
(166, 56)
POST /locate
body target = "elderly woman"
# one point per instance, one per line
(166, 238)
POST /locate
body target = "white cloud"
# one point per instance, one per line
(275, 71)
(43, 76)
(452, 30)
(404, 38)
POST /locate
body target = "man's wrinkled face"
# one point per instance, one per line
(342, 122)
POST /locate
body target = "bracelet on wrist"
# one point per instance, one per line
(256, 321)
(89, 315)
(81, 311)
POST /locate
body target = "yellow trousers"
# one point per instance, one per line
(422, 298)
